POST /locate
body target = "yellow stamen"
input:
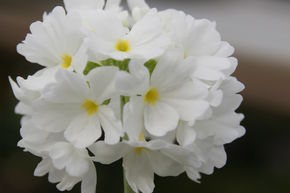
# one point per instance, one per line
(185, 54)
(141, 136)
(66, 61)
(123, 45)
(151, 96)
(91, 107)
(138, 150)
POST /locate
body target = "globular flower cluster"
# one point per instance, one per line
(153, 88)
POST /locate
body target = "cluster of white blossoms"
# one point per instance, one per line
(153, 88)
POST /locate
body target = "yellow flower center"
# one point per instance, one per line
(66, 61)
(141, 136)
(138, 150)
(185, 55)
(91, 107)
(123, 45)
(151, 96)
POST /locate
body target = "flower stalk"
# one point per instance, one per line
(127, 189)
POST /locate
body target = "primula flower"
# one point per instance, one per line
(109, 38)
(66, 181)
(200, 39)
(141, 159)
(138, 8)
(165, 97)
(87, 8)
(153, 88)
(77, 105)
(55, 42)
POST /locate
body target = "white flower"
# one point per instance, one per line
(55, 42)
(154, 89)
(86, 9)
(141, 159)
(35, 140)
(207, 137)
(27, 91)
(224, 124)
(165, 97)
(84, 4)
(64, 163)
(76, 105)
(65, 180)
(211, 156)
(109, 38)
(138, 8)
(200, 39)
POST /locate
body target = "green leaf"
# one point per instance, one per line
(90, 66)
(150, 65)
(106, 102)
(121, 64)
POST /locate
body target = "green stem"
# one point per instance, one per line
(127, 188)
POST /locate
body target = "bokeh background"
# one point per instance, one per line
(257, 163)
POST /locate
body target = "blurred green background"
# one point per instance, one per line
(257, 163)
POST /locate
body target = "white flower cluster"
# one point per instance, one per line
(151, 88)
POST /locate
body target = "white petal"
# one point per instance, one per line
(146, 35)
(135, 82)
(60, 154)
(146, 29)
(170, 70)
(215, 97)
(67, 183)
(232, 86)
(193, 174)
(23, 109)
(31, 133)
(181, 155)
(213, 68)
(103, 36)
(83, 4)
(80, 59)
(138, 172)
(133, 117)
(137, 3)
(224, 128)
(68, 88)
(83, 131)
(185, 135)
(111, 126)
(77, 165)
(58, 34)
(160, 119)
(43, 167)
(225, 50)
(188, 110)
(188, 90)
(55, 175)
(54, 117)
(163, 165)
(15, 88)
(89, 180)
(217, 157)
(205, 39)
(40, 79)
(102, 82)
(107, 154)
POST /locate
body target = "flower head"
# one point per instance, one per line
(153, 88)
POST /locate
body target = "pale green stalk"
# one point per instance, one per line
(127, 188)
